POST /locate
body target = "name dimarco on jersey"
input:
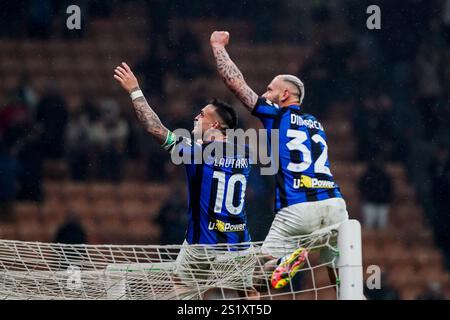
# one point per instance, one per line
(299, 121)
(308, 182)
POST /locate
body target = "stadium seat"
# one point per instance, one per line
(134, 171)
(143, 233)
(100, 191)
(141, 210)
(131, 191)
(30, 232)
(52, 190)
(56, 170)
(398, 254)
(402, 275)
(26, 209)
(411, 292)
(8, 231)
(74, 191)
(38, 65)
(58, 47)
(153, 192)
(81, 207)
(435, 274)
(107, 208)
(9, 47)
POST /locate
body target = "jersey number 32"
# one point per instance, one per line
(297, 143)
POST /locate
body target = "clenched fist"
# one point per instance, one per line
(219, 38)
(126, 78)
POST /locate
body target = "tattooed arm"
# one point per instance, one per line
(147, 117)
(229, 72)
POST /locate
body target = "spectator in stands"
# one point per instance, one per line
(373, 124)
(385, 129)
(375, 186)
(71, 231)
(22, 139)
(152, 155)
(359, 66)
(27, 93)
(10, 114)
(109, 135)
(9, 172)
(172, 217)
(51, 115)
(429, 89)
(78, 141)
(31, 158)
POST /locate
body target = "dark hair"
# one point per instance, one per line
(226, 113)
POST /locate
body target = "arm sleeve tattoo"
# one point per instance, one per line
(149, 119)
(233, 78)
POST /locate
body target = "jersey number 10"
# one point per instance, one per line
(220, 176)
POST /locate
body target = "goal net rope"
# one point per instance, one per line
(34, 270)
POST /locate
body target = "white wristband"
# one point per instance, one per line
(136, 94)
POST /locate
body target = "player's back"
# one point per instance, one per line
(217, 194)
(304, 173)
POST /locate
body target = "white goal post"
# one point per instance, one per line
(34, 270)
(350, 261)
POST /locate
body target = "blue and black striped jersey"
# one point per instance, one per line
(304, 169)
(216, 191)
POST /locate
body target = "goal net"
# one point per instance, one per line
(34, 270)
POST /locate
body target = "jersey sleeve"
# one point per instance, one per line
(183, 148)
(265, 109)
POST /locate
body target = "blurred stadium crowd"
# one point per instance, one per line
(76, 167)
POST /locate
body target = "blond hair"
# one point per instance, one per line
(296, 82)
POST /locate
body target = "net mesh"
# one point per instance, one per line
(34, 270)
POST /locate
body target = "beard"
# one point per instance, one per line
(275, 100)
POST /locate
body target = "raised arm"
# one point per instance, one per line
(229, 72)
(148, 118)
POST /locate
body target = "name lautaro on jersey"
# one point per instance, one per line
(308, 182)
(237, 163)
(299, 121)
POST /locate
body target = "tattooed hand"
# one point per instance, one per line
(219, 38)
(126, 77)
(148, 118)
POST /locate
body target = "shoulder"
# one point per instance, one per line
(308, 116)
(263, 102)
